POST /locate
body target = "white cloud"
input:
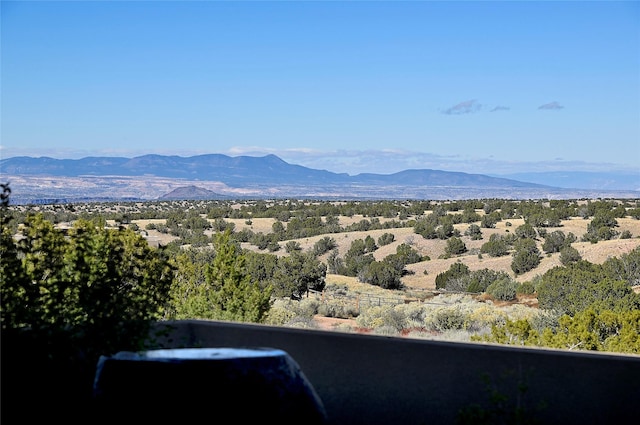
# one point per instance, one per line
(466, 107)
(551, 106)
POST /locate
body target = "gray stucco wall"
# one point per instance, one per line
(366, 379)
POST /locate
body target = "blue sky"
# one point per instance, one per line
(348, 86)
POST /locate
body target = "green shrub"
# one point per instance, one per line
(569, 255)
(456, 269)
(292, 246)
(386, 239)
(324, 245)
(446, 319)
(285, 311)
(474, 232)
(526, 257)
(496, 246)
(479, 280)
(526, 288)
(94, 289)
(279, 316)
(455, 246)
(341, 310)
(503, 289)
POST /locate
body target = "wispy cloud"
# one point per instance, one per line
(466, 107)
(551, 106)
(390, 161)
(500, 108)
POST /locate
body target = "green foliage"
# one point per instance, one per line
(89, 292)
(503, 289)
(426, 226)
(292, 246)
(446, 230)
(278, 228)
(511, 332)
(382, 273)
(448, 318)
(404, 255)
(526, 230)
(569, 255)
(369, 244)
(474, 232)
(609, 294)
(496, 246)
(260, 266)
(382, 317)
(604, 330)
(479, 280)
(526, 288)
(523, 261)
(357, 258)
(602, 226)
(489, 221)
(338, 309)
(455, 246)
(556, 240)
(288, 312)
(546, 218)
(220, 289)
(626, 267)
(293, 276)
(264, 241)
(456, 270)
(583, 285)
(560, 286)
(386, 239)
(298, 273)
(335, 264)
(469, 215)
(526, 257)
(324, 245)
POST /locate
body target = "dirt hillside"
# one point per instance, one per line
(425, 272)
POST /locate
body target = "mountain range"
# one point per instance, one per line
(215, 176)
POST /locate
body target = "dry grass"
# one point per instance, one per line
(435, 248)
(422, 279)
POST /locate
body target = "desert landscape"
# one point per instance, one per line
(435, 248)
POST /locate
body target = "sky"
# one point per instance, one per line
(489, 87)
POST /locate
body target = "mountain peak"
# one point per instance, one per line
(270, 176)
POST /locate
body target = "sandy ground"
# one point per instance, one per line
(331, 323)
(434, 248)
(425, 272)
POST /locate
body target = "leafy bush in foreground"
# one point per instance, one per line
(92, 291)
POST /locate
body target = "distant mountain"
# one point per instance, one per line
(214, 167)
(238, 170)
(192, 193)
(581, 179)
(441, 178)
(216, 176)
